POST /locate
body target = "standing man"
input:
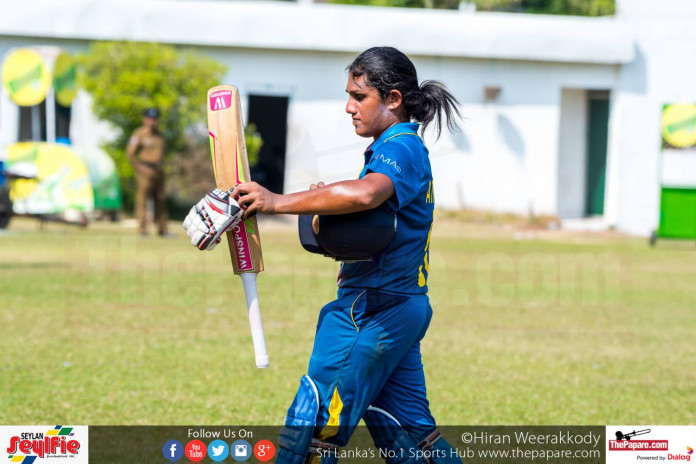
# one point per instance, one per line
(146, 154)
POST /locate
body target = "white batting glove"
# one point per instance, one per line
(210, 218)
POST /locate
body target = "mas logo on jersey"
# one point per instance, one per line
(31, 443)
(389, 162)
(220, 100)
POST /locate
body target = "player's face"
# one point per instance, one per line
(370, 114)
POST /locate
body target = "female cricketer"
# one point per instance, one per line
(366, 360)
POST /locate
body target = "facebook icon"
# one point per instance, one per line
(173, 450)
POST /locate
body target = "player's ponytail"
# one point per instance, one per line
(386, 69)
(435, 100)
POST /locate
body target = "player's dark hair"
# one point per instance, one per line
(386, 69)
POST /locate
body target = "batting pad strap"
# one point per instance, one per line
(322, 453)
(296, 436)
(398, 446)
(429, 441)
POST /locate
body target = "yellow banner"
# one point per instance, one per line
(65, 79)
(679, 125)
(62, 180)
(25, 77)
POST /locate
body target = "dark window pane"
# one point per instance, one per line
(32, 122)
(63, 117)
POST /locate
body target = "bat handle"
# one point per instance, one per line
(252, 300)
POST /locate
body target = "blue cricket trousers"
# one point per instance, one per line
(367, 352)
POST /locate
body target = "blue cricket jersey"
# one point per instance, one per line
(402, 267)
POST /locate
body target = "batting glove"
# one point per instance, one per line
(210, 218)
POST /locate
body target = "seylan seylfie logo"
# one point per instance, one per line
(220, 100)
(58, 441)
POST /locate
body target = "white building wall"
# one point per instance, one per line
(504, 158)
(572, 154)
(511, 155)
(663, 72)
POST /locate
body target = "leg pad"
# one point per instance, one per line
(296, 436)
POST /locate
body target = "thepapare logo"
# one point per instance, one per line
(220, 100)
(638, 445)
(56, 442)
(388, 161)
(627, 436)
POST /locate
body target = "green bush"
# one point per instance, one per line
(559, 7)
(125, 78)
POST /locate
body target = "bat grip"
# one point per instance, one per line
(252, 300)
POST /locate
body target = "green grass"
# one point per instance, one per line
(102, 327)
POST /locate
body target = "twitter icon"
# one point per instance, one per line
(218, 450)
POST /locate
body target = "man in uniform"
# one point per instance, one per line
(146, 153)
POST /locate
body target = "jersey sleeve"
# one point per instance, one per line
(404, 166)
(134, 140)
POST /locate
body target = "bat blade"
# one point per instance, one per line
(231, 167)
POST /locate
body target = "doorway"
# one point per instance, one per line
(270, 115)
(597, 136)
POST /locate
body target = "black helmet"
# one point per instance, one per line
(348, 237)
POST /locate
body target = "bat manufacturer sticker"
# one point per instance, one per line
(220, 100)
(241, 247)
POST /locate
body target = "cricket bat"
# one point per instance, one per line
(231, 167)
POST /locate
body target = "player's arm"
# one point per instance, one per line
(343, 197)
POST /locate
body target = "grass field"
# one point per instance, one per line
(102, 327)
